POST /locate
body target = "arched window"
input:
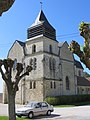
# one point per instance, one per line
(67, 83)
(50, 63)
(54, 85)
(15, 64)
(50, 48)
(34, 85)
(51, 85)
(54, 64)
(34, 63)
(30, 85)
(33, 48)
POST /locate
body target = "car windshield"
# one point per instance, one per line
(30, 104)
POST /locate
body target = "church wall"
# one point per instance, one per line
(38, 72)
(16, 52)
(65, 52)
(18, 98)
(38, 42)
(68, 71)
(78, 72)
(83, 90)
(52, 90)
(34, 94)
(51, 73)
(47, 42)
(27, 93)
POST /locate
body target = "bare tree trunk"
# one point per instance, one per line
(11, 105)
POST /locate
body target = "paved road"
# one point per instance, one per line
(69, 113)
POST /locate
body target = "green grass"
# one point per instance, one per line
(6, 118)
(58, 106)
(74, 104)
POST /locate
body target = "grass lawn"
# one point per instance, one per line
(74, 104)
(6, 118)
(58, 106)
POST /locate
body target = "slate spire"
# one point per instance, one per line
(41, 26)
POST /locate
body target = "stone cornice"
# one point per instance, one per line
(40, 52)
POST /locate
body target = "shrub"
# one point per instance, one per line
(60, 100)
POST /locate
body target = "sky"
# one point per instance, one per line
(64, 15)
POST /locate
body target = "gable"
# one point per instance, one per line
(16, 52)
(65, 53)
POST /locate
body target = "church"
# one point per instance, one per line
(55, 70)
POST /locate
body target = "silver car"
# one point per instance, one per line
(34, 109)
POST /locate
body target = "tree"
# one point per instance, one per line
(83, 54)
(12, 85)
(85, 74)
(5, 5)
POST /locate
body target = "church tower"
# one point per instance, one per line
(41, 26)
(42, 53)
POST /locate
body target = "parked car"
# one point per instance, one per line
(34, 109)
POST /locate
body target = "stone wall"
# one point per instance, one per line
(83, 90)
(52, 88)
(27, 93)
(1, 97)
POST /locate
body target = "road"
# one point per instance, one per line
(68, 113)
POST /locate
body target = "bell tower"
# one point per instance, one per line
(41, 26)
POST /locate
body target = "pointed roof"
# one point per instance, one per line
(82, 81)
(40, 19)
(41, 26)
(21, 43)
(78, 64)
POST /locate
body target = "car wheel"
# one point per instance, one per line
(30, 115)
(48, 112)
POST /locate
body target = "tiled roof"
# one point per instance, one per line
(21, 43)
(78, 64)
(88, 78)
(82, 81)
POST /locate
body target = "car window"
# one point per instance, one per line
(44, 104)
(30, 105)
(38, 105)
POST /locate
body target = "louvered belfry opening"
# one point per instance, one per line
(41, 26)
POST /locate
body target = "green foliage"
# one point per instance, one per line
(5, 5)
(67, 100)
(6, 118)
(83, 24)
(85, 74)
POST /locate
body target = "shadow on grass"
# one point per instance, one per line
(81, 103)
(51, 116)
(45, 117)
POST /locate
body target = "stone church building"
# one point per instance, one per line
(55, 71)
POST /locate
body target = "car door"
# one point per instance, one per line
(37, 109)
(44, 108)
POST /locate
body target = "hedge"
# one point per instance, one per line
(60, 100)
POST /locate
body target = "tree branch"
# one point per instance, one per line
(84, 54)
(19, 77)
(3, 75)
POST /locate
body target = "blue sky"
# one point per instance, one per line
(64, 15)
